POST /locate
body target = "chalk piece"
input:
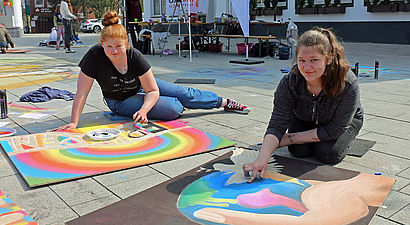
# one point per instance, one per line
(384, 207)
(378, 173)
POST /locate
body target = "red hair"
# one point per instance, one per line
(112, 29)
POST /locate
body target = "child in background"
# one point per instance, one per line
(58, 25)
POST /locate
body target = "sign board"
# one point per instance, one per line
(196, 6)
(8, 3)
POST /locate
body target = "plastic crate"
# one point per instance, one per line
(212, 47)
(242, 48)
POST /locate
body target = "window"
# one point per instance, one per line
(49, 4)
(159, 7)
(39, 3)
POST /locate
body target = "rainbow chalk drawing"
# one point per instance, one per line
(57, 156)
(10, 213)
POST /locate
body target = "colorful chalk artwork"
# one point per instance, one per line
(51, 157)
(5, 131)
(103, 134)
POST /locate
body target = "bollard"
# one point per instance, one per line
(356, 69)
(376, 70)
(3, 104)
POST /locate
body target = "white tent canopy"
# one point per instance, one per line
(241, 8)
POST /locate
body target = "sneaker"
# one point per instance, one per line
(70, 51)
(234, 106)
(58, 48)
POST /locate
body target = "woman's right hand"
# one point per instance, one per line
(66, 127)
(140, 117)
(255, 169)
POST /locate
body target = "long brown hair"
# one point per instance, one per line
(112, 29)
(57, 8)
(325, 41)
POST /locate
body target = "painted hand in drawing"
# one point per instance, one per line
(241, 157)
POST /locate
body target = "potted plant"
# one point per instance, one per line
(278, 10)
(309, 9)
(382, 6)
(404, 6)
(310, 3)
(301, 4)
(336, 3)
(267, 10)
(327, 8)
(267, 3)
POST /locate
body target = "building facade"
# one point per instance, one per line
(11, 16)
(378, 21)
(41, 16)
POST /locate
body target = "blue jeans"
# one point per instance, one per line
(172, 100)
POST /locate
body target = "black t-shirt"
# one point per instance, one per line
(114, 85)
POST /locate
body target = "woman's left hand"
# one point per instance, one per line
(140, 117)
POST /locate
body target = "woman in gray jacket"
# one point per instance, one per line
(317, 103)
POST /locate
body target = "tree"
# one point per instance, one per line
(266, 3)
(100, 7)
(274, 3)
(252, 4)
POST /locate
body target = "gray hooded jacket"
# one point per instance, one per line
(332, 116)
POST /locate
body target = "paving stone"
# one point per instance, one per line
(215, 129)
(387, 144)
(389, 127)
(80, 191)
(406, 189)
(42, 204)
(402, 216)
(175, 167)
(398, 185)
(245, 138)
(134, 186)
(405, 173)
(377, 220)
(90, 206)
(381, 162)
(117, 177)
(232, 120)
(6, 166)
(382, 108)
(394, 202)
(384, 97)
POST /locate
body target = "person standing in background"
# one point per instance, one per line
(134, 11)
(67, 21)
(59, 26)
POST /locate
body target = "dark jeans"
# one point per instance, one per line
(132, 28)
(68, 33)
(330, 152)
